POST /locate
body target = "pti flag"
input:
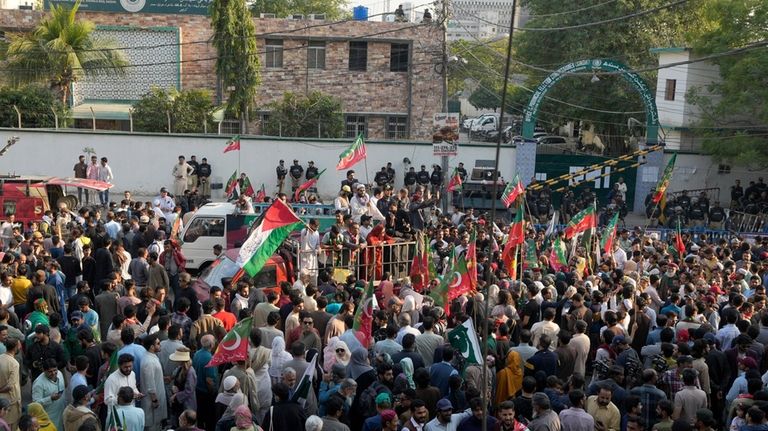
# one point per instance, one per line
(557, 258)
(363, 325)
(261, 194)
(609, 234)
(269, 231)
(679, 243)
(509, 258)
(423, 267)
(246, 189)
(231, 184)
(512, 191)
(464, 339)
(234, 346)
(471, 261)
(301, 393)
(661, 188)
(233, 144)
(306, 186)
(517, 229)
(582, 221)
(454, 185)
(353, 154)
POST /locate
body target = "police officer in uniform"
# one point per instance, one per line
(391, 174)
(192, 180)
(436, 178)
(296, 171)
(422, 177)
(409, 181)
(382, 177)
(282, 172)
(312, 172)
(716, 216)
(204, 176)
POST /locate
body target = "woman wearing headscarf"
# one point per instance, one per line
(260, 358)
(279, 358)
(4, 405)
(244, 420)
(510, 379)
(227, 420)
(330, 385)
(336, 352)
(360, 370)
(404, 380)
(37, 411)
(376, 251)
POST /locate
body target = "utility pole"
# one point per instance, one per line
(493, 208)
(444, 159)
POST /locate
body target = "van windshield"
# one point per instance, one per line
(267, 277)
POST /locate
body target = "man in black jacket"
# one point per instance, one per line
(43, 348)
(295, 171)
(204, 177)
(284, 414)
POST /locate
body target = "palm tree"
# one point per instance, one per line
(60, 51)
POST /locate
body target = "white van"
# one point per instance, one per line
(207, 227)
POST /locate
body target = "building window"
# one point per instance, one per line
(669, 91)
(355, 125)
(274, 50)
(397, 127)
(358, 56)
(230, 127)
(398, 57)
(316, 55)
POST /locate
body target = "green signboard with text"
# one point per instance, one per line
(183, 7)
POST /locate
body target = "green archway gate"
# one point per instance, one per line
(526, 151)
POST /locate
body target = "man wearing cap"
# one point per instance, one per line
(154, 403)
(77, 414)
(180, 172)
(295, 171)
(446, 419)
(739, 385)
(383, 403)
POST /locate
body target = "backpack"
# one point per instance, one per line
(367, 402)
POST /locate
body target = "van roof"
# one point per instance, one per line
(216, 208)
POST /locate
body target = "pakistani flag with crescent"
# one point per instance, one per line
(464, 339)
(234, 346)
(301, 394)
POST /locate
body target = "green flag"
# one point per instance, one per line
(464, 339)
(305, 384)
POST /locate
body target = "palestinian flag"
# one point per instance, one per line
(269, 231)
(363, 325)
(261, 194)
(233, 144)
(609, 234)
(306, 186)
(582, 221)
(512, 191)
(454, 185)
(353, 154)
(245, 187)
(464, 339)
(301, 393)
(531, 257)
(509, 258)
(231, 184)
(557, 259)
(661, 188)
(517, 228)
(471, 260)
(234, 346)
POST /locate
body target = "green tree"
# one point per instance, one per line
(485, 98)
(733, 113)
(60, 51)
(317, 115)
(333, 9)
(188, 109)
(34, 103)
(237, 64)
(610, 101)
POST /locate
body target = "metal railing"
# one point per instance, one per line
(713, 193)
(371, 261)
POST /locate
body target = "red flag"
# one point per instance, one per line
(353, 154)
(580, 222)
(512, 191)
(472, 261)
(517, 228)
(306, 186)
(233, 144)
(455, 183)
(261, 195)
(509, 258)
(679, 244)
(234, 346)
(609, 235)
(363, 325)
(231, 184)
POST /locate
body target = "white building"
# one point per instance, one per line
(483, 19)
(677, 116)
(17, 4)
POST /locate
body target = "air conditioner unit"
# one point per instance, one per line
(267, 15)
(297, 16)
(317, 16)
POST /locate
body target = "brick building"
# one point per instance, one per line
(387, 75)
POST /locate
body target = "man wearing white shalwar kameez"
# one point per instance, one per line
(48, 391)
(308, 249)
(123, 376)
(154, 402)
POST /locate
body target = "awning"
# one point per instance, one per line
(102, 111)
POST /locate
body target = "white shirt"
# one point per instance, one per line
(114, 382)
(105, 174)
(456, 418)
(620, 256)
(6, 297)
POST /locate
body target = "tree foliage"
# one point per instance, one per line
(484, 98)
(734, 112)
(333, 9)
(34, 103)
(60, 51)
(624, 40)
(299, 116)
(237, 64)
(189, 109)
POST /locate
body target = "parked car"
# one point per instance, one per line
(551, 140)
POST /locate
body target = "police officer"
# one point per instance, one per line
(192, 180)
(697, 214)
(409, 181)
(204, 176)
(282, 172)
(296, 171)
(311, 172)
(422, 177)
(382, 177)
(716, 216)
(391, 174)
(462, 172)
(350, 181)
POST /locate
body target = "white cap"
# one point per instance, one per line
(229, 383)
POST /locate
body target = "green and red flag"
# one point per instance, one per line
(231, 184)
(353, 154)
(176, 228)
(471, 260)
(269, 231)
(531, 256)
(306, 186)
(679, 243)
(661, 188)
(233, 144)
(516, 234)
(455, 184)
(454, 283)
(609, 234)
(512, 191)
(582, 221)
(363, 325)
(557, 258)
(422, 267)
(509, 258)
(234, 346)
(261, 194)
(246, 189)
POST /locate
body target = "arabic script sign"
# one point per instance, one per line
(183, 7)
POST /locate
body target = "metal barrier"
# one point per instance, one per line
(370, 261)
(713, 193)
(740, 221)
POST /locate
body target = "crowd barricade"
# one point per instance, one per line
(713, 193)
(368, 262)
(743, 222)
